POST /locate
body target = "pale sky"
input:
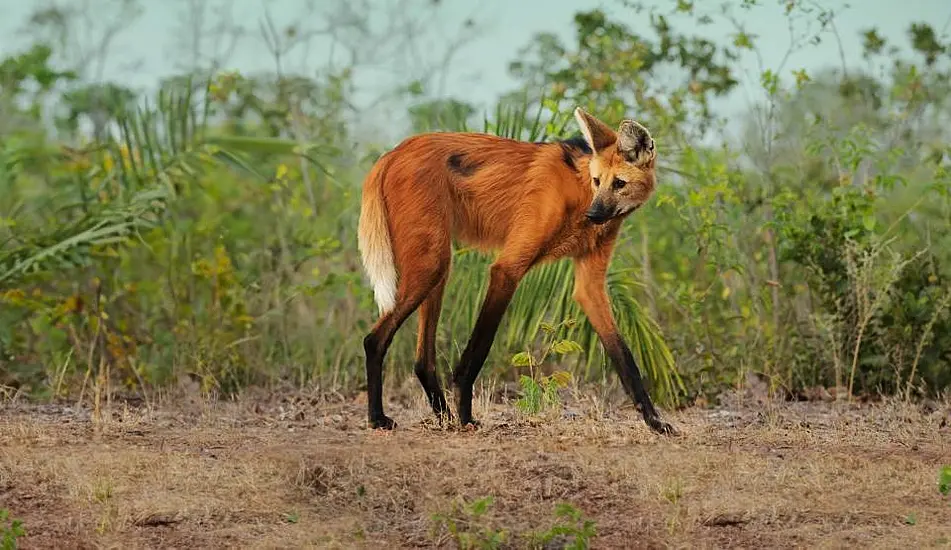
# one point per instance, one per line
(480, 69)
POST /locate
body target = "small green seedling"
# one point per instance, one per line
(944, 481)
(539, 393)
(10, 530)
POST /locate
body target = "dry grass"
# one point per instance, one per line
(305, 473)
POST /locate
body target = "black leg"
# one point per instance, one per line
(375, 352)
(630, 375)
(425, 367)
(375, 345)
(428, 378)
(591, 294)
(502, 285)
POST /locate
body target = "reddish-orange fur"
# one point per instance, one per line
(528, 201)
(520, 185)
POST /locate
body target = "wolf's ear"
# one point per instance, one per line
(598, 134)
(635, 143)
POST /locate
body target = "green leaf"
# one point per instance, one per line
(944, 481)
(563, 347)
(481, 506)
(415, 88)
(743, 40)
(521, 359)
(801, 77)
(560, 378)
(769, 81)
(565, 509)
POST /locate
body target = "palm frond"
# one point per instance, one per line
(157, 151)
(71, 246)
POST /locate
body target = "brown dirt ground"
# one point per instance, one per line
(304, 472)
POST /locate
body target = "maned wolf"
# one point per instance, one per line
(533, 202)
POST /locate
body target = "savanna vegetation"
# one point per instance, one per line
(182, 305)
(205, 229)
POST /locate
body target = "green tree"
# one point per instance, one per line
(612, 70)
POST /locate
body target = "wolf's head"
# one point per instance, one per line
(621, 166)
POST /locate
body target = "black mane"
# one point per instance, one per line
(573, 147)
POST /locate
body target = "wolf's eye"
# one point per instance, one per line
(597, 182)
(618, 183)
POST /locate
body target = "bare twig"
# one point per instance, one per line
(207, 44)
